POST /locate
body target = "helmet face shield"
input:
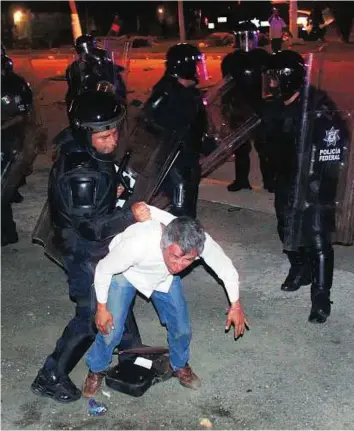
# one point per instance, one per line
(185, 61)
(202, 69)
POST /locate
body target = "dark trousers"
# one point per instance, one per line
(81, 331)
(8, 225)
(317, 250)
(243, 164)
(182, 185)
(276, 44)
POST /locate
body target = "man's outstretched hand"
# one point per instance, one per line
(237, 318)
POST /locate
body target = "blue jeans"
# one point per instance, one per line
(172, 310)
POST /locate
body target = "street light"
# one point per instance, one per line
(18, 15)
(160, 13)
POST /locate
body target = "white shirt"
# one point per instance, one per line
(136, 253)
(276, 27)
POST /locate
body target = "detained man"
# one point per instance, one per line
(147, 257)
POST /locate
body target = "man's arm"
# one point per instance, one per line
(214, 256)
(124, 254)
(160, 215)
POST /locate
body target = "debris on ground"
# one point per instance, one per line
(206, 423)
(95, 408)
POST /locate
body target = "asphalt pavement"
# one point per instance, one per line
(285, 373)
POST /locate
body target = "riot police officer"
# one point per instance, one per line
(93, 66)
(17, 149)
(82, 196)
(176, 104)
(246, 69)
(306, 181)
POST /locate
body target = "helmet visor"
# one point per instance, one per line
(202, 69)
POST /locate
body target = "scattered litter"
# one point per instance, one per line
(96, 408)
(206, 423)
(106, 394)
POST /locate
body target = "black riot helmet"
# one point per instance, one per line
(84, 44)
(3, 50)
(288, 69)
(92, 112)
(246, 69)
(98, 56)
(6, 62)
(101, 73)
(234, 64)
(6, 65)
(16, 96)
(186, 61)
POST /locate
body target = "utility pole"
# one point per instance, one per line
(293, 22)
(182, 30)
(75, 20)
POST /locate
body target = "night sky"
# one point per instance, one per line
(104, 11)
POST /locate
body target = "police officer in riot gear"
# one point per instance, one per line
(246, 69)
(16, 111)
(93, 66)
(176, 104)
(82, 196)
(305, 182)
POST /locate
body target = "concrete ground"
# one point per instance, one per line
(283, 374)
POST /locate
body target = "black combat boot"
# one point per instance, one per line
(299, 273)
(61, 389)
(322, 273)
(10, 238)
(17, 198)
(235, 186)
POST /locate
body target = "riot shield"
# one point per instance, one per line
(152, 154)
(22, 137)
(231, 121)
(344, 221)
(321, 162)
(43, 234)
(20, 159)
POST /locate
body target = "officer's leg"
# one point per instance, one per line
(242, 168)
(322, 263)
(185, 194)
(8, 226)
(299, 272)
(52, 380)
(267, 170)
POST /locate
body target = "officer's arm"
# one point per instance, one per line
(100, 227)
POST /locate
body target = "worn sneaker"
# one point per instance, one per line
(92, 384)
(187, 378)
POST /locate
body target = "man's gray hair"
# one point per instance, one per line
(186, 232)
